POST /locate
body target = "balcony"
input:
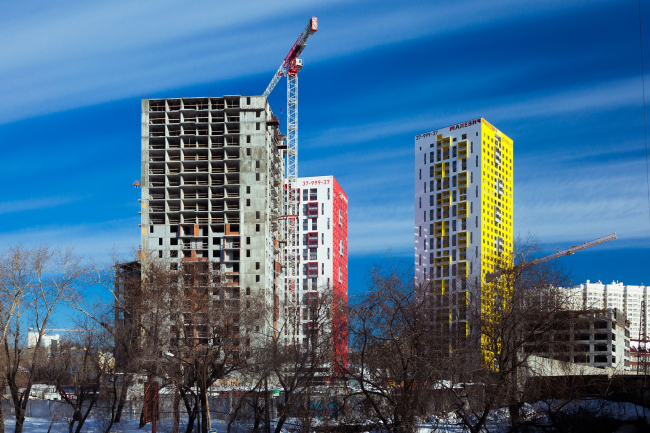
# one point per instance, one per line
(441, 170)
(462, 270)
(462, 240)
(462, 209)
(462, 180)
(440, 228)
(444, 315)
(442, 261)
(444, 142)
(439, 287)
(443, 199)
(462, 149)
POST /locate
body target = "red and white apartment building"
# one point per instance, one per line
(323, 246)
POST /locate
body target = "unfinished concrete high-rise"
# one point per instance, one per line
(212, 181)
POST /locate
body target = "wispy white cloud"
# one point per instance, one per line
(35, 203)
(91, 241)
(595, 98)
(57, 57)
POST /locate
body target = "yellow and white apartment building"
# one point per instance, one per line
(463, 217)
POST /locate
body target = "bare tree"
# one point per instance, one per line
(35, 282)
(395, 353)
(78, 369)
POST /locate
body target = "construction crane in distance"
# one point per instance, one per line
(289, 68)
(564, 252)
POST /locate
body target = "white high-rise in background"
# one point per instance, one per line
(627, 299)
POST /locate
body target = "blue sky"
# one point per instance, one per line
(561, 78)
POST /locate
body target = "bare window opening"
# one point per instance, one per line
(248, 152)
(215, 253)
(248, 290)
(248, 253)
(248, 139)
(257, 278)
(257, 126)
(248, 190)
(257, 164)
(257, 176)
(257, 227)
(248, 202)
(248, 240)
(248, 100)
(150, 229)
(160, 241)
(257, 265)
(257, 214)
(160, 254)
(173, 241)
(173, 254)
(215, 241)
(258, 113)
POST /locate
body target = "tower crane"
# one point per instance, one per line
(290, 67)
(564, 252)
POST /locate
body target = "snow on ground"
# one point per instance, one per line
(498, 420)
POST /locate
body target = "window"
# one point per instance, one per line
(160, 241)
(248, 190)
(257, 278)
(257, 227)
(421, 173)
(257, 265)
(313, 194)
(420, 231)
(312, 269)
(453, 152)
(248, 202)
(248, 240)
(328, 253)
(304, 194)
(328, 223)
(420, 202)
(257, 164)
(322, 267)
(248, 253)
(257, 126)
(430, 258)
(322, 239)
(150, 229)
(257, 214)
(340, 217)
(248, 290)
(322, 208)
(453, 225)
(248, 139)
(160, 254)
(248, 152)
(257, 176)
(312, 240)
(341, 248)
(453, 165)
(477, 160)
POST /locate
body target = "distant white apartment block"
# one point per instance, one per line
(627, 299)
